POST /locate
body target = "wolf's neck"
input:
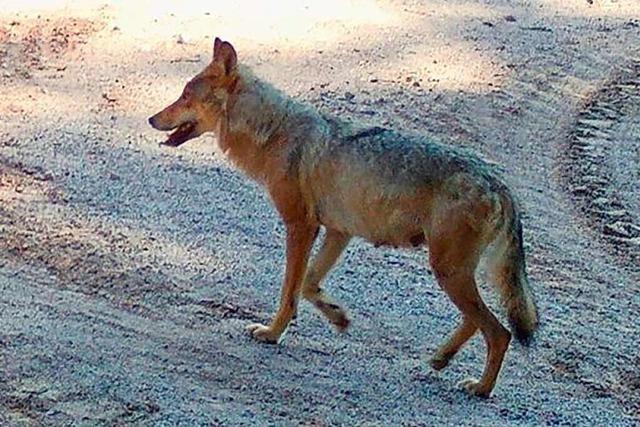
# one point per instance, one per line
(265, 130)
(253, 130)
(259, 110)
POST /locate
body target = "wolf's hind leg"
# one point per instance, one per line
(454, 266)
(449, 349)
(334, 244)
(463, 292)
(455, 244)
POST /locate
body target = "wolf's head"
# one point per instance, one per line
(203, 100)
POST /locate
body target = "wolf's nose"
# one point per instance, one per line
(152, 122)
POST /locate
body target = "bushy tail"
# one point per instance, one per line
(508, 269)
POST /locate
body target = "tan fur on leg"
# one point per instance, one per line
(333, 245)
(300, 238)
(460, 336)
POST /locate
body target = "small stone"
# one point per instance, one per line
(596, 123)
(633, 241)
(601, 201)
(617, 213)
(580, 189)
(617, 228)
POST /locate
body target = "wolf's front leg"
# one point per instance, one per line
(300, 239)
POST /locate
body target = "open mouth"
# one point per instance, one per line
(181, 135)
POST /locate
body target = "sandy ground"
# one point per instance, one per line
(128, 270)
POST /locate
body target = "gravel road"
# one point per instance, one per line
(128, 270)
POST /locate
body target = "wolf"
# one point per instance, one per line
(387, 187)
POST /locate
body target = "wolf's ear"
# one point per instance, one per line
(216, 46)
(224, 54)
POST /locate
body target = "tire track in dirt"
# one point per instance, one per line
(603, 189)
(587, 165)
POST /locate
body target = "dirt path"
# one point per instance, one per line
(128, 271)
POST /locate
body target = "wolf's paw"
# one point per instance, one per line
(263, 333)
(341, 322)
(439, 361)
(474, 387)
(334, 313)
